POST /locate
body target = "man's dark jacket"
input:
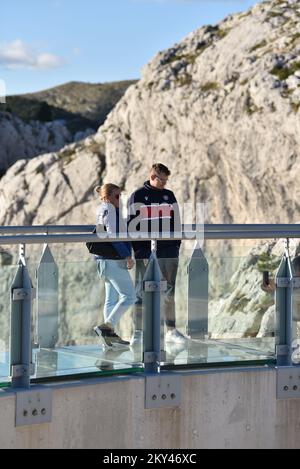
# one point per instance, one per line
(158, 206)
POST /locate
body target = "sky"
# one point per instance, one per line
(44, 43)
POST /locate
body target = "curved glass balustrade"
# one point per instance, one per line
(69, 304)
(221, 297)
(222, 312)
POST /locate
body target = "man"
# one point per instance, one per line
(155, 206)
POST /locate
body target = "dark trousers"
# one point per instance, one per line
(169, 268)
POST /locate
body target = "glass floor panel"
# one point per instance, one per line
(4, 367)
(219, 352)
(83, 359)
(73, 360)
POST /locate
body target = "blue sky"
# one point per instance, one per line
(44, 43)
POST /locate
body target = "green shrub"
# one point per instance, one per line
(184, 80)
(284, 72)
(295, 107)
(210, 86)
(267, 262)
(294, 38)
(221, 33)
(258, 46)
(250, 107)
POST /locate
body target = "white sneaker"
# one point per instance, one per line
(137, 338)
(173, 335)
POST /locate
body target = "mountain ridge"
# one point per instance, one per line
(38, 123)
(90, 101)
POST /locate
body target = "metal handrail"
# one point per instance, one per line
(68, 234)
(208, 228)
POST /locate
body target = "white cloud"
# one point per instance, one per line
(17, 54)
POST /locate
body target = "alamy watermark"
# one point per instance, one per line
(2, 92)
(141, 221)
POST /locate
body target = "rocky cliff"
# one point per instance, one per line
(43, 122)
(221, 109)
(19, 140)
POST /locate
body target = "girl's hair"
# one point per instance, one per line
(106, 190)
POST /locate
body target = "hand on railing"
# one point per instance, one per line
(268, 284)
(130, 263)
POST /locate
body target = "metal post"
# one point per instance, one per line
(47, 300)
(152, 321)
(22, 295)
(290, 325)
(197, 326)
(284, 312)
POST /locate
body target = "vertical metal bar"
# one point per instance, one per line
(289, 312)
(152, 316)
(285, 326)
(47, 300)
(20, 337)
(198, 272)
(280, 312)
(15, 339)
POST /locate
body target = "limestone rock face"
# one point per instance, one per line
(53, 188)
(20, 140)
(44, 122)
(221, 109)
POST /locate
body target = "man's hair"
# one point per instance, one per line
(161, 168)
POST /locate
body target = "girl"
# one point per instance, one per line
(119, 288)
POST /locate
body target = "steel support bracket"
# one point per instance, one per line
(296, 282)
(150, 286)
(282, 350)
(151, 357)
(162, 390)
(288, 382)
(33, 407)
(20, 294)
(285, 282)
(282, 282)
(21, 370)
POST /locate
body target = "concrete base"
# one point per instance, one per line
(219, 409)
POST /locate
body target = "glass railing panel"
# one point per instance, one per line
(295, 303)
(8, 267)
(80, 295)
(234, 321)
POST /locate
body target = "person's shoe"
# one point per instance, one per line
(137, 338)
(103, 334)
(173, 335)
(116, 339)
(108, 336)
